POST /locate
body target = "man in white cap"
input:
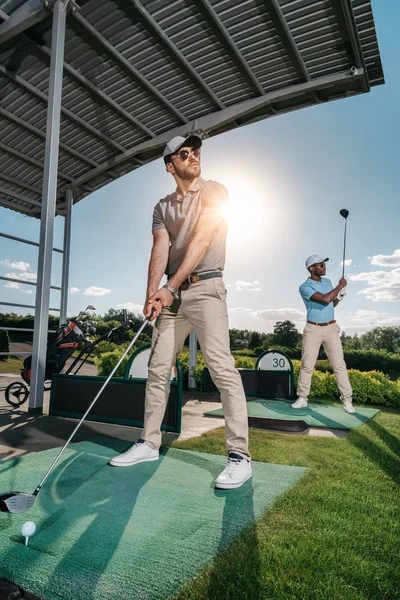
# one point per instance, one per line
(189, 238)
(320, 299)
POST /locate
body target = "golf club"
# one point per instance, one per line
(344, 213)
(19, 502)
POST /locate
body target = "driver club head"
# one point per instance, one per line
(344, 212)
(16, 502)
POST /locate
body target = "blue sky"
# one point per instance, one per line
(288, 178)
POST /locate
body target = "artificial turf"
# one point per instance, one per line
(315, 415)
(107, 533)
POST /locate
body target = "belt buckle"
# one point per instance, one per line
(193, 278)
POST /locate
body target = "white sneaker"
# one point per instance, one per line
(140, 452)
(301, 402)
(349, 408)
(236, 472)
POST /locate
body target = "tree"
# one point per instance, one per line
(255, 340)
(285, 334)
(382, 338)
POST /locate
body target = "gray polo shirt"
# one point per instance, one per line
(179, 215)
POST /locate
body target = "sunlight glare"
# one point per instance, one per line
(245, 212)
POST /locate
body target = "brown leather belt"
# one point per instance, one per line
(322, 324)
(204, 275)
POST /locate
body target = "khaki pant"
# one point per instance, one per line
(329, 337)
(202, 307)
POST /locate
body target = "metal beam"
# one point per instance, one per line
(179, 57)
(285, 35)
(89, 85)
(29, 14)
(13, 206)
(53, 287)
(25, 306)
(348, 15)
(18, 239)
(69, 114)
(22, 184)
(127, 66)
(221, 118)
(66, 255)
(30, 160)
(225, 37)
(48, 208)
(17, 196)
(192, 359)
(91, 88)
(39, 133)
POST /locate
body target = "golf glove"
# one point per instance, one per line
(341, 294)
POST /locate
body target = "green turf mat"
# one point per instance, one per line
(315, 415)
(106, 533)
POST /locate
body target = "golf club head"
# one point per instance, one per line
(344, 212)
(90, 307)
(16, 502)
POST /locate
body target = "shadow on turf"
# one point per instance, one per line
(387, 461)
(241, 569)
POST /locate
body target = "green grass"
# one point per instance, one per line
(11, 365)
(335, 536)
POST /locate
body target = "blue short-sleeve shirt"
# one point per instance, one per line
(317, 311)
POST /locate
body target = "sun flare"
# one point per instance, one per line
(245, 212)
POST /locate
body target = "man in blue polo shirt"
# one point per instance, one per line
(320, 299)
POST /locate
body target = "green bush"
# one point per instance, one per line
(372, 360)
(245, 362)
(291, 352)
(369, 387)
(4, 343)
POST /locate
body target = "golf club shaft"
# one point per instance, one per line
(344, 245)
(90, 407)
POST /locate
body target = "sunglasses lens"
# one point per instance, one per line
(184, 154)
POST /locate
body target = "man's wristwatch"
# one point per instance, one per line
(172, 290)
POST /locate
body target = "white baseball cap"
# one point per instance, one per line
(177, 142)
(315, 259)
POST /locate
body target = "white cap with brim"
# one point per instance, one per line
(177, 142)
(315, 259)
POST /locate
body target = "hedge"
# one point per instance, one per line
(371, 387)
(4, 343)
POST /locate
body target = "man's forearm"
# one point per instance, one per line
(193, 256)
(330, 296)
(157, 266)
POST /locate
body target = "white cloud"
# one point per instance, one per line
(387, 260)
(383, 286)
(96, 291)
(18, 264)
(73, 290)
(22, 276)
(247, 285)
(280, 314)
(365, 320)
(13, 285)
(347, 262)
(131, 307)
(27, 291)
(272, 314)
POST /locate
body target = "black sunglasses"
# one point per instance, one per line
(320, 264)
(184, 154)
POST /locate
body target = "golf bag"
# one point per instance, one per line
(60, 346)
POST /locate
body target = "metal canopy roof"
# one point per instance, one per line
(137, 73)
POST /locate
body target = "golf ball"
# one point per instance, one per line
(28, 529)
